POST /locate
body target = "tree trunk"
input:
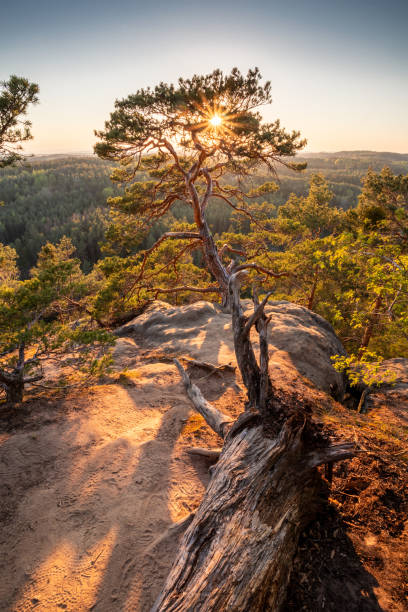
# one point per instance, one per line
(237, 553)
(213, 260)
(14, 391)
(368, 330)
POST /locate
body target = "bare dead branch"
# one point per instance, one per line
(208, 366)
(212, 454)
(331, 454)
(217, 420)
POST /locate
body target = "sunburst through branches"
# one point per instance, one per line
(216, 121)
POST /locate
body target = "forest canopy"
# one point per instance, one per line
(48, 197)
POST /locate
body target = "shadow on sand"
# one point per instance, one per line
(328, 575)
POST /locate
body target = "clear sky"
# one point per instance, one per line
(339, 68)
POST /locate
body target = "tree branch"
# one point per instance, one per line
(238, 208)
(330, 454)
(172, 151)
(258, 312)
(208, 192)
(165, 236)
(217, 420)
(227, 247)
(258, 268)
(212, 454)
(33, 378)
(189, 247)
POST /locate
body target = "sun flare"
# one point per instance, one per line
(215, 120)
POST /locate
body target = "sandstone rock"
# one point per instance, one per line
(395, 394)
(301, 342)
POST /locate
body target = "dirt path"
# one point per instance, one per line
(90, 489)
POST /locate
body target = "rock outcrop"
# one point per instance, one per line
(301, 342)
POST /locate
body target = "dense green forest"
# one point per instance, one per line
(48, 197)
(343, 170)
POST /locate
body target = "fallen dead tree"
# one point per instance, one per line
(238, 551)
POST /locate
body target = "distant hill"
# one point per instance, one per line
(359, 154)
(343, 170)
(357, 162)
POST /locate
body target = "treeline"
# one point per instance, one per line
(350, 265)
(49, 197)
(344, 172)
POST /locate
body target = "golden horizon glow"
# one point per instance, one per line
(215, 120)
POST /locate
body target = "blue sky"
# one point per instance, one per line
(339, 70)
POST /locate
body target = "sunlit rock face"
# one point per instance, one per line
(300, 341)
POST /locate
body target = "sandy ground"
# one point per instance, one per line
(93, 485)
(90, 489)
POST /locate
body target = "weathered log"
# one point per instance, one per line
(224, 367)
(237, 553)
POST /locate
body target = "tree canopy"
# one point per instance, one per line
(213, 116)
(180, 144)
(16, 96)
(45, 317)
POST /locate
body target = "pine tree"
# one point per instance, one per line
(44, 318)
(15, 97)
(181, 144)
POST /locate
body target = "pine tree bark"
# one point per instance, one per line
(14, 392)
(369, 328)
